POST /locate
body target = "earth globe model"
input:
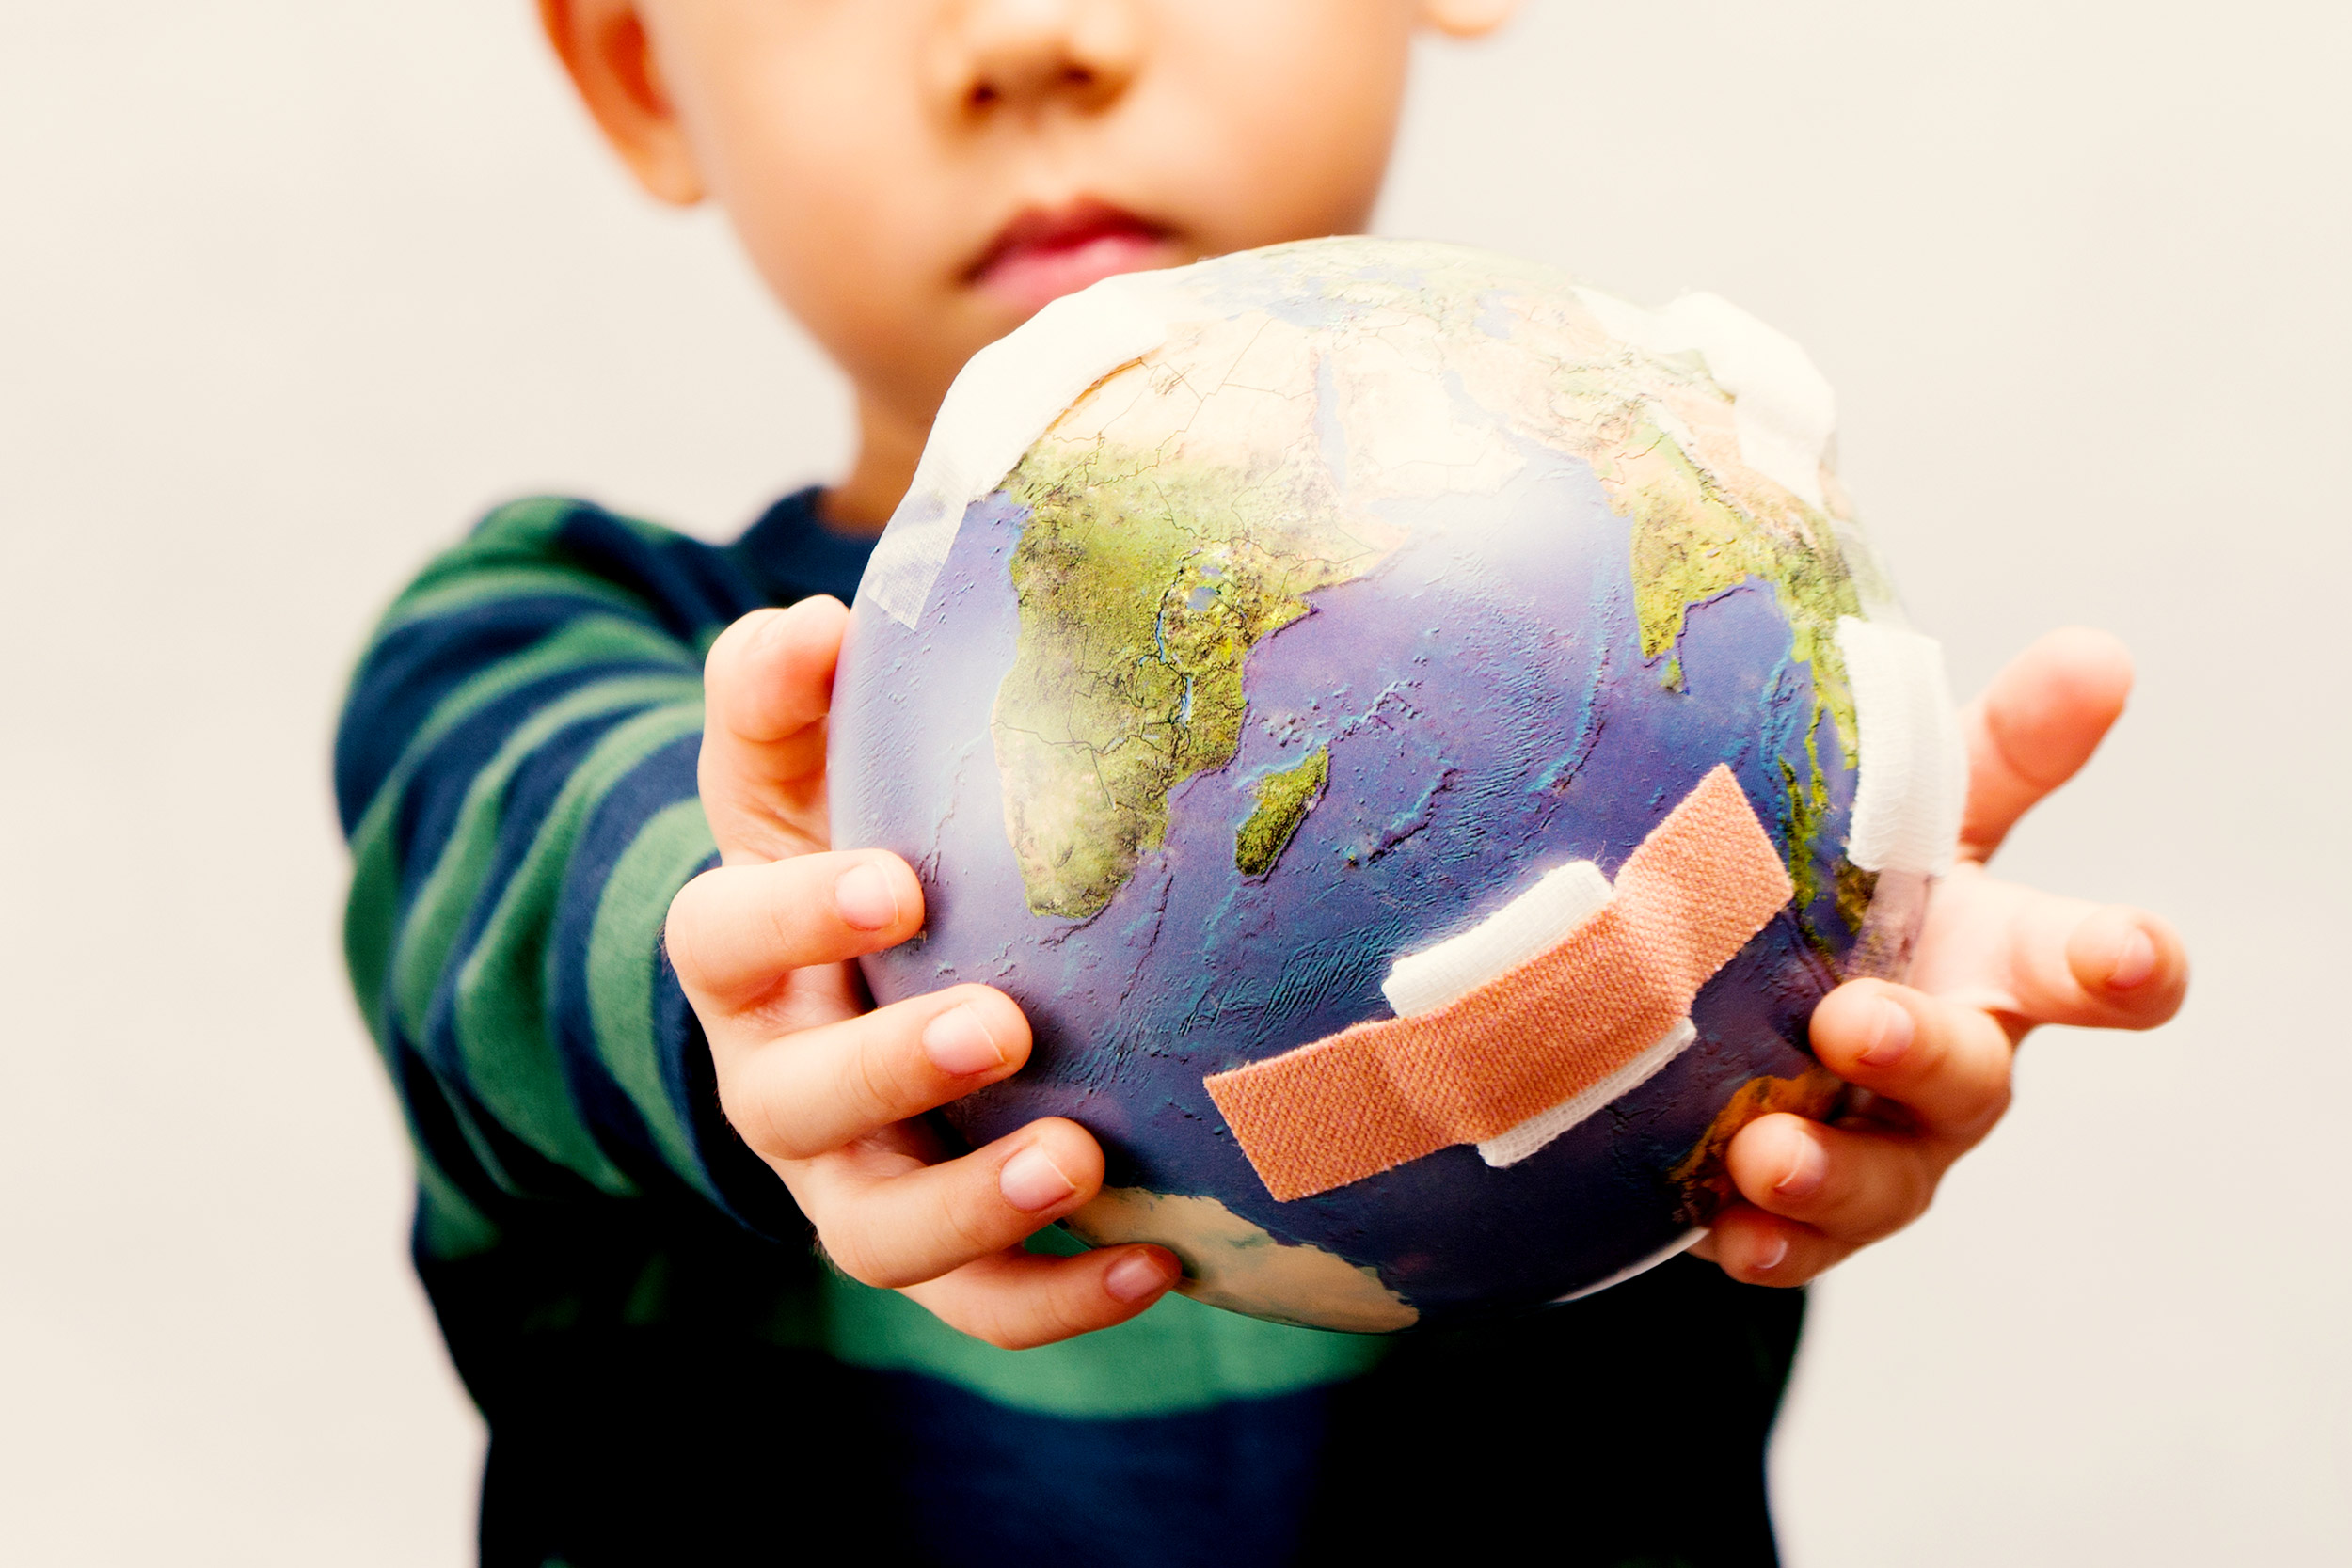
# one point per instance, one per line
(1417, 736)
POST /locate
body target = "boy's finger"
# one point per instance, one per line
(1017, 1299)
(1852, 1187)
(2036, 725)
(815, 1089)
(2092, 966)
(887, 1224)
(735, 931)
(1945, 1063)
(767, 687)
(1757, 1248)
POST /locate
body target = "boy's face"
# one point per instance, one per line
(913, 178)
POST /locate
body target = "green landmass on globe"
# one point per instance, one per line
(1144, 584)
(1284, 799)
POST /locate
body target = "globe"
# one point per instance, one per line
(1262, 637)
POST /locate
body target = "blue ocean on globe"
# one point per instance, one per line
(1391, 577)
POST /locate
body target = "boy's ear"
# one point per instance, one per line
(609, 53)
(1467, 18)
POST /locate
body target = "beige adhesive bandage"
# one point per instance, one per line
(1705, 881)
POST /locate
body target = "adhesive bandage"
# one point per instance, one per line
(1601, 1005)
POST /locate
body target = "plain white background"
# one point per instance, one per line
(289, 292)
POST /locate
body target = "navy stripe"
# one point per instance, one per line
(411, 669)
(791, 554)
(747, 1188)
(686, 586)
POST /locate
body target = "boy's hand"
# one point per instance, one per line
(832, 1095)
(1995, 961)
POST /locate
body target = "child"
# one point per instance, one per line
(625, 1147)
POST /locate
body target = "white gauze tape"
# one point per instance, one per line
(1782, 406)
(1510, 1148)
(1526, 927)
(1005, 396)
(1911, 777)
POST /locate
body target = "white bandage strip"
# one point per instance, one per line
(1006, 396)
(1533, 924)
(1526, 927)
(1911, 777)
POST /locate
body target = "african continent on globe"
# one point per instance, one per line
(1265, 644)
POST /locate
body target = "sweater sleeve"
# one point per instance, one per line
(515, 772)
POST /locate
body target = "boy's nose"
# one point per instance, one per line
(995, 55)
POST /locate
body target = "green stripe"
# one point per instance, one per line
(504, 984)
(1178, 1356)
(546, 581)
(369, 916)
(519, 532)
(666, 853)
(523, 534)
(591, 639)
(529, 524)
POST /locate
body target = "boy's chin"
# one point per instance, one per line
(1025, 280)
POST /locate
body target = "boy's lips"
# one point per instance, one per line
(1042, 255)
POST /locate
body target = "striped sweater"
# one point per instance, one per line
(633, 1298)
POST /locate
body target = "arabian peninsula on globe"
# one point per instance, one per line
(1417, 735)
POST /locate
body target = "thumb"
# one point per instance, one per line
(2035, 726)
(767, 687)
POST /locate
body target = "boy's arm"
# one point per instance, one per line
(515, 771)
(1995, 960)
(528, 779)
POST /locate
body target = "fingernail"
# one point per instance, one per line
(957, 1042)
(1890, 1035)
(1806, 1169)
(770, 629)
(1032, 1182)
(863, 897)
(1769, 1258)
(1136, 1277)
(2134, 962)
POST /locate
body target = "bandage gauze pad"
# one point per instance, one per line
(1418, 736)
